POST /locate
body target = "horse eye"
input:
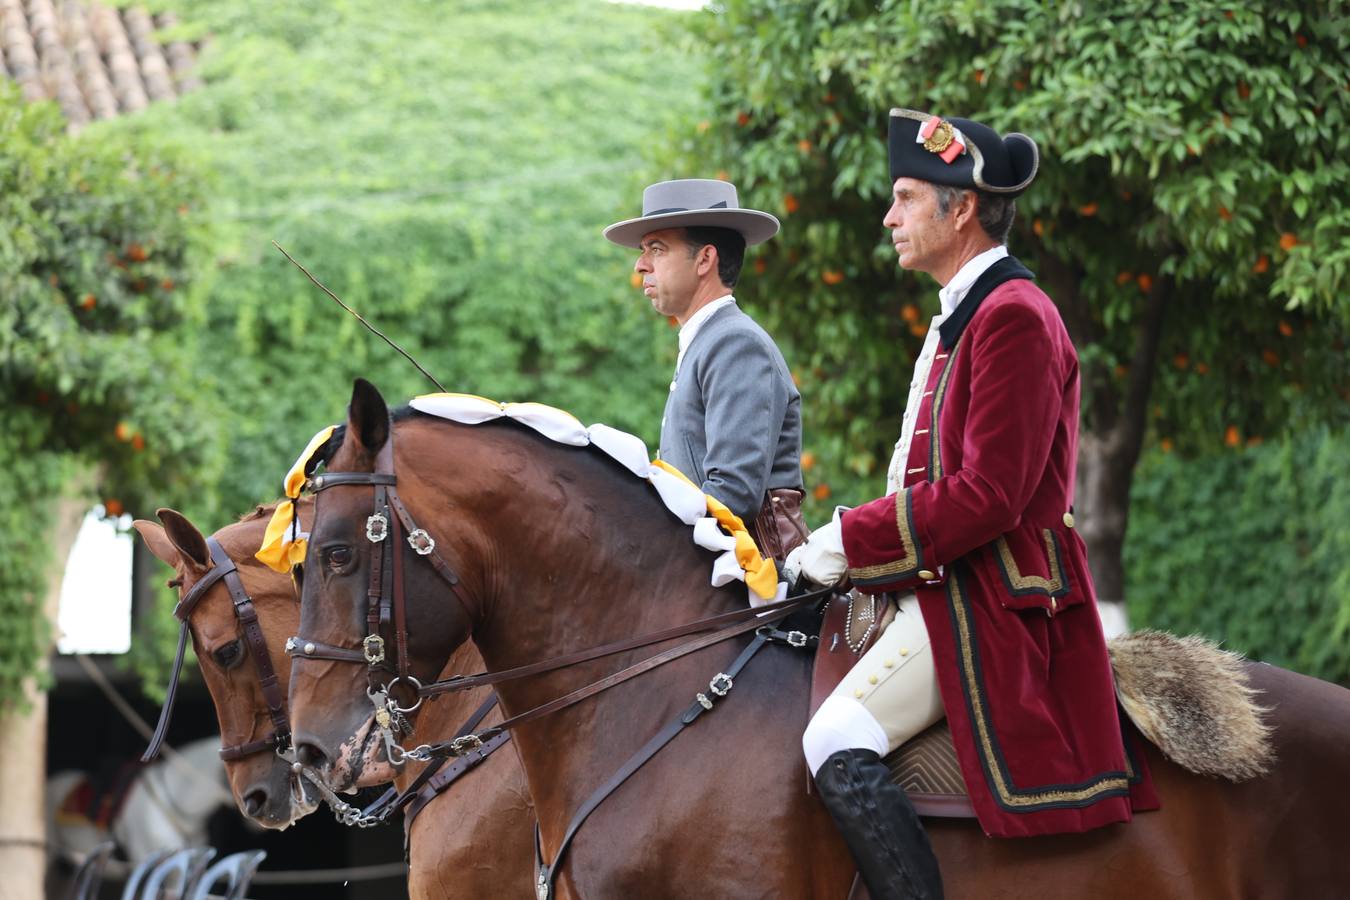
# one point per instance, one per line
(339, 557)
(229, 654)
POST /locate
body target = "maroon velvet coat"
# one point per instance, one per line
(983, 533)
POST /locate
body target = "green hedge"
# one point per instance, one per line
(1251, 547)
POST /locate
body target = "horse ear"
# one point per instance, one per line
(186, 537)
(158, 542)
(368, 417)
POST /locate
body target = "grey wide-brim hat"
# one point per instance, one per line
(689, 202)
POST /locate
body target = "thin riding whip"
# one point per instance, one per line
(373, 329)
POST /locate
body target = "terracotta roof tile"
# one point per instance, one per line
(94, 60)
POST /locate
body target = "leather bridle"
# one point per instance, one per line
(386, 606)
(224, 569)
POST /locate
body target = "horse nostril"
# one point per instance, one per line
(310, 755)
(254, 802)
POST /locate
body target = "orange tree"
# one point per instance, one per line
(1190, 218)
(96, 249)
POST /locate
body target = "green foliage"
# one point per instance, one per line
(97, 248)
(1191, 147)
(1250, 547)
(446, 170)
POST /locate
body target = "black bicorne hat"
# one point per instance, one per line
(960, 153)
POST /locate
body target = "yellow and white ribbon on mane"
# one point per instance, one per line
(715, 526)
(283, 545)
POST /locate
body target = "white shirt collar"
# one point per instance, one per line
(965, 277)
(690, 328)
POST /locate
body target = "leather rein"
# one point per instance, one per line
(224, 569)
(387, 605)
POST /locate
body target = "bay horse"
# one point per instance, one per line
(445, 857)
(558, 548)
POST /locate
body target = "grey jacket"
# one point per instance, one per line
(733, 420)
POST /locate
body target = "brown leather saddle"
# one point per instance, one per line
(926, 767)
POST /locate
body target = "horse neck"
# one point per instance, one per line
(574, 552)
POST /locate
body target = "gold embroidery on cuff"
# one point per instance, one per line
(907, 563)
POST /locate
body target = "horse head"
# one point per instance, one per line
(217, 619)
(346, 646)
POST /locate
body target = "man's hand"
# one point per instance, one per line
(821, 559)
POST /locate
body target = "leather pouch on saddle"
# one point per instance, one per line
(851, 625)
(779, 527)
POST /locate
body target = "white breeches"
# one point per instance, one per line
(888, 697)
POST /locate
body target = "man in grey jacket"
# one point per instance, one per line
(732, 422)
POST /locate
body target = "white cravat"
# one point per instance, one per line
(951, 296)
(691, 328)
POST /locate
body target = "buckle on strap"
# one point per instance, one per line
(372, 645)
(721, 684)
(377, 528)
(422, 542)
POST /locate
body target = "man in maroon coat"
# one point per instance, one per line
(996, 625)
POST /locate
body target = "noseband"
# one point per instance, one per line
(387, 526)
(223, 568)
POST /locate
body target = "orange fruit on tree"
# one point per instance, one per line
(1262, 264)
(1270, 357)
(1166, 445)
(1286, 329)
(635, 279)
(1124, 278)
(760, 266)
(808, 461)
(1088, 209)
(122, 432)
(1181, 361)
(822, 491)
(918, 329)
(88, 301)
(1231, 436)
(804, 145)
(138, 442)
(909, 312)
(831, 276)
(1225, 214)
(790, 203)
(113, 507)
(1145, 282)
(1288, 241)
(1201, 369)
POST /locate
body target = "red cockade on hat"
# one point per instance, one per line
(939, 136)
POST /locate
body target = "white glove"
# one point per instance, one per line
(821, 559)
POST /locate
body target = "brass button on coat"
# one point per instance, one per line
(926, 575)
(1068, 520)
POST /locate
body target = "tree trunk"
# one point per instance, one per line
(1115, 422)
(23, 733)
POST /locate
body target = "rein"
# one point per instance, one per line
(223, 568)
(386, 601)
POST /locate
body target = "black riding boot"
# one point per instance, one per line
(880, 827)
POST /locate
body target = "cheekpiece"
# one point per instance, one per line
(960, 153)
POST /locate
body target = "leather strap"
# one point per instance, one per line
(457, 748)
(305, 649)
(392, 800)
(465, 682)
(545, 874)
(223, 568)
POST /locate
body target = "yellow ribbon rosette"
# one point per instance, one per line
(283, 548)
(761, 575)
